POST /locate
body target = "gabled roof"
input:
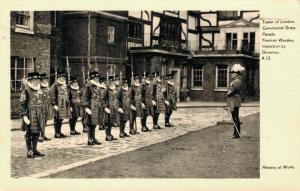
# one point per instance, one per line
(240, 23)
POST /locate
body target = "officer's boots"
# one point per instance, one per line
(95, 141)
(90, 135)
(35, 139)
(109, 136)
(155, 121)
(144, 128)
(122, 126)
(145, 124)
(29, 147)
(132, 131)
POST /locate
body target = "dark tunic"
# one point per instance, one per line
(159, 97)
(124, 103)
(60, 97)
(47, 106)
(234, 95)
(31, 105)
(148, 98)
(113, 104)
(96, 99)
(75, 102)
(171, 97)
(136, 99)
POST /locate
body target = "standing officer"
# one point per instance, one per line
(170, 102)
(91, 101)
(124, 107)
(60, 102)
(148, 100)
(136, 104)
(159, 100)
(105, 121)
(113, 108)
(75, 103)
(47, 106)
(31, 111)
(234, 98)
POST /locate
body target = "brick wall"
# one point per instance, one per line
(35, 45)
(208, 93)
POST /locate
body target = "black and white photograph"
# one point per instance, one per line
(135, 94)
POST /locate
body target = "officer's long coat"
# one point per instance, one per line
(31, 105)
(171, 97)
(136, 99)
(114, 104)
(60, 97)
(159, 96)
(96, 99)
(47, 106)
(75, 102)
(234, 94)
(148, 97)
(124, 103)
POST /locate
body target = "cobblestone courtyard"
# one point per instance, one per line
(70, 152)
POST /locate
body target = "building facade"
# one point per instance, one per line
(199, 48)
(30, 49)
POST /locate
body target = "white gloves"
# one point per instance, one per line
(132, 108)
(107, 110)
(26, 120)
(79, 118)
(71, 109)
(143, 106)
(120, 110)
(167, 102)
(153, 103)
(88, 111)
(55, 107)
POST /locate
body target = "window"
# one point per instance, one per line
(192, 22)
(135, 30)
(222, 76)
(111, 69)
(20, 67)
(111, 34)
(231, 41)
(24, 22)
(22, 18)
(197, 76)
(248, 42)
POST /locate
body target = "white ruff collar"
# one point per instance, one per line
(61, 83)
(125, 88)
(171, 83)
(34, 87)
(44, 85)
(112, 87)
(95, 83)
(74, 87)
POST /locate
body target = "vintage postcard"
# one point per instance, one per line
(191, 95)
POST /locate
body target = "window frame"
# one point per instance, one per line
(217, 88)
(27, 29)
(202, 78)
(24, 70)
(113, 41)
(111, 72)
(137, 30)
(230, 46)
